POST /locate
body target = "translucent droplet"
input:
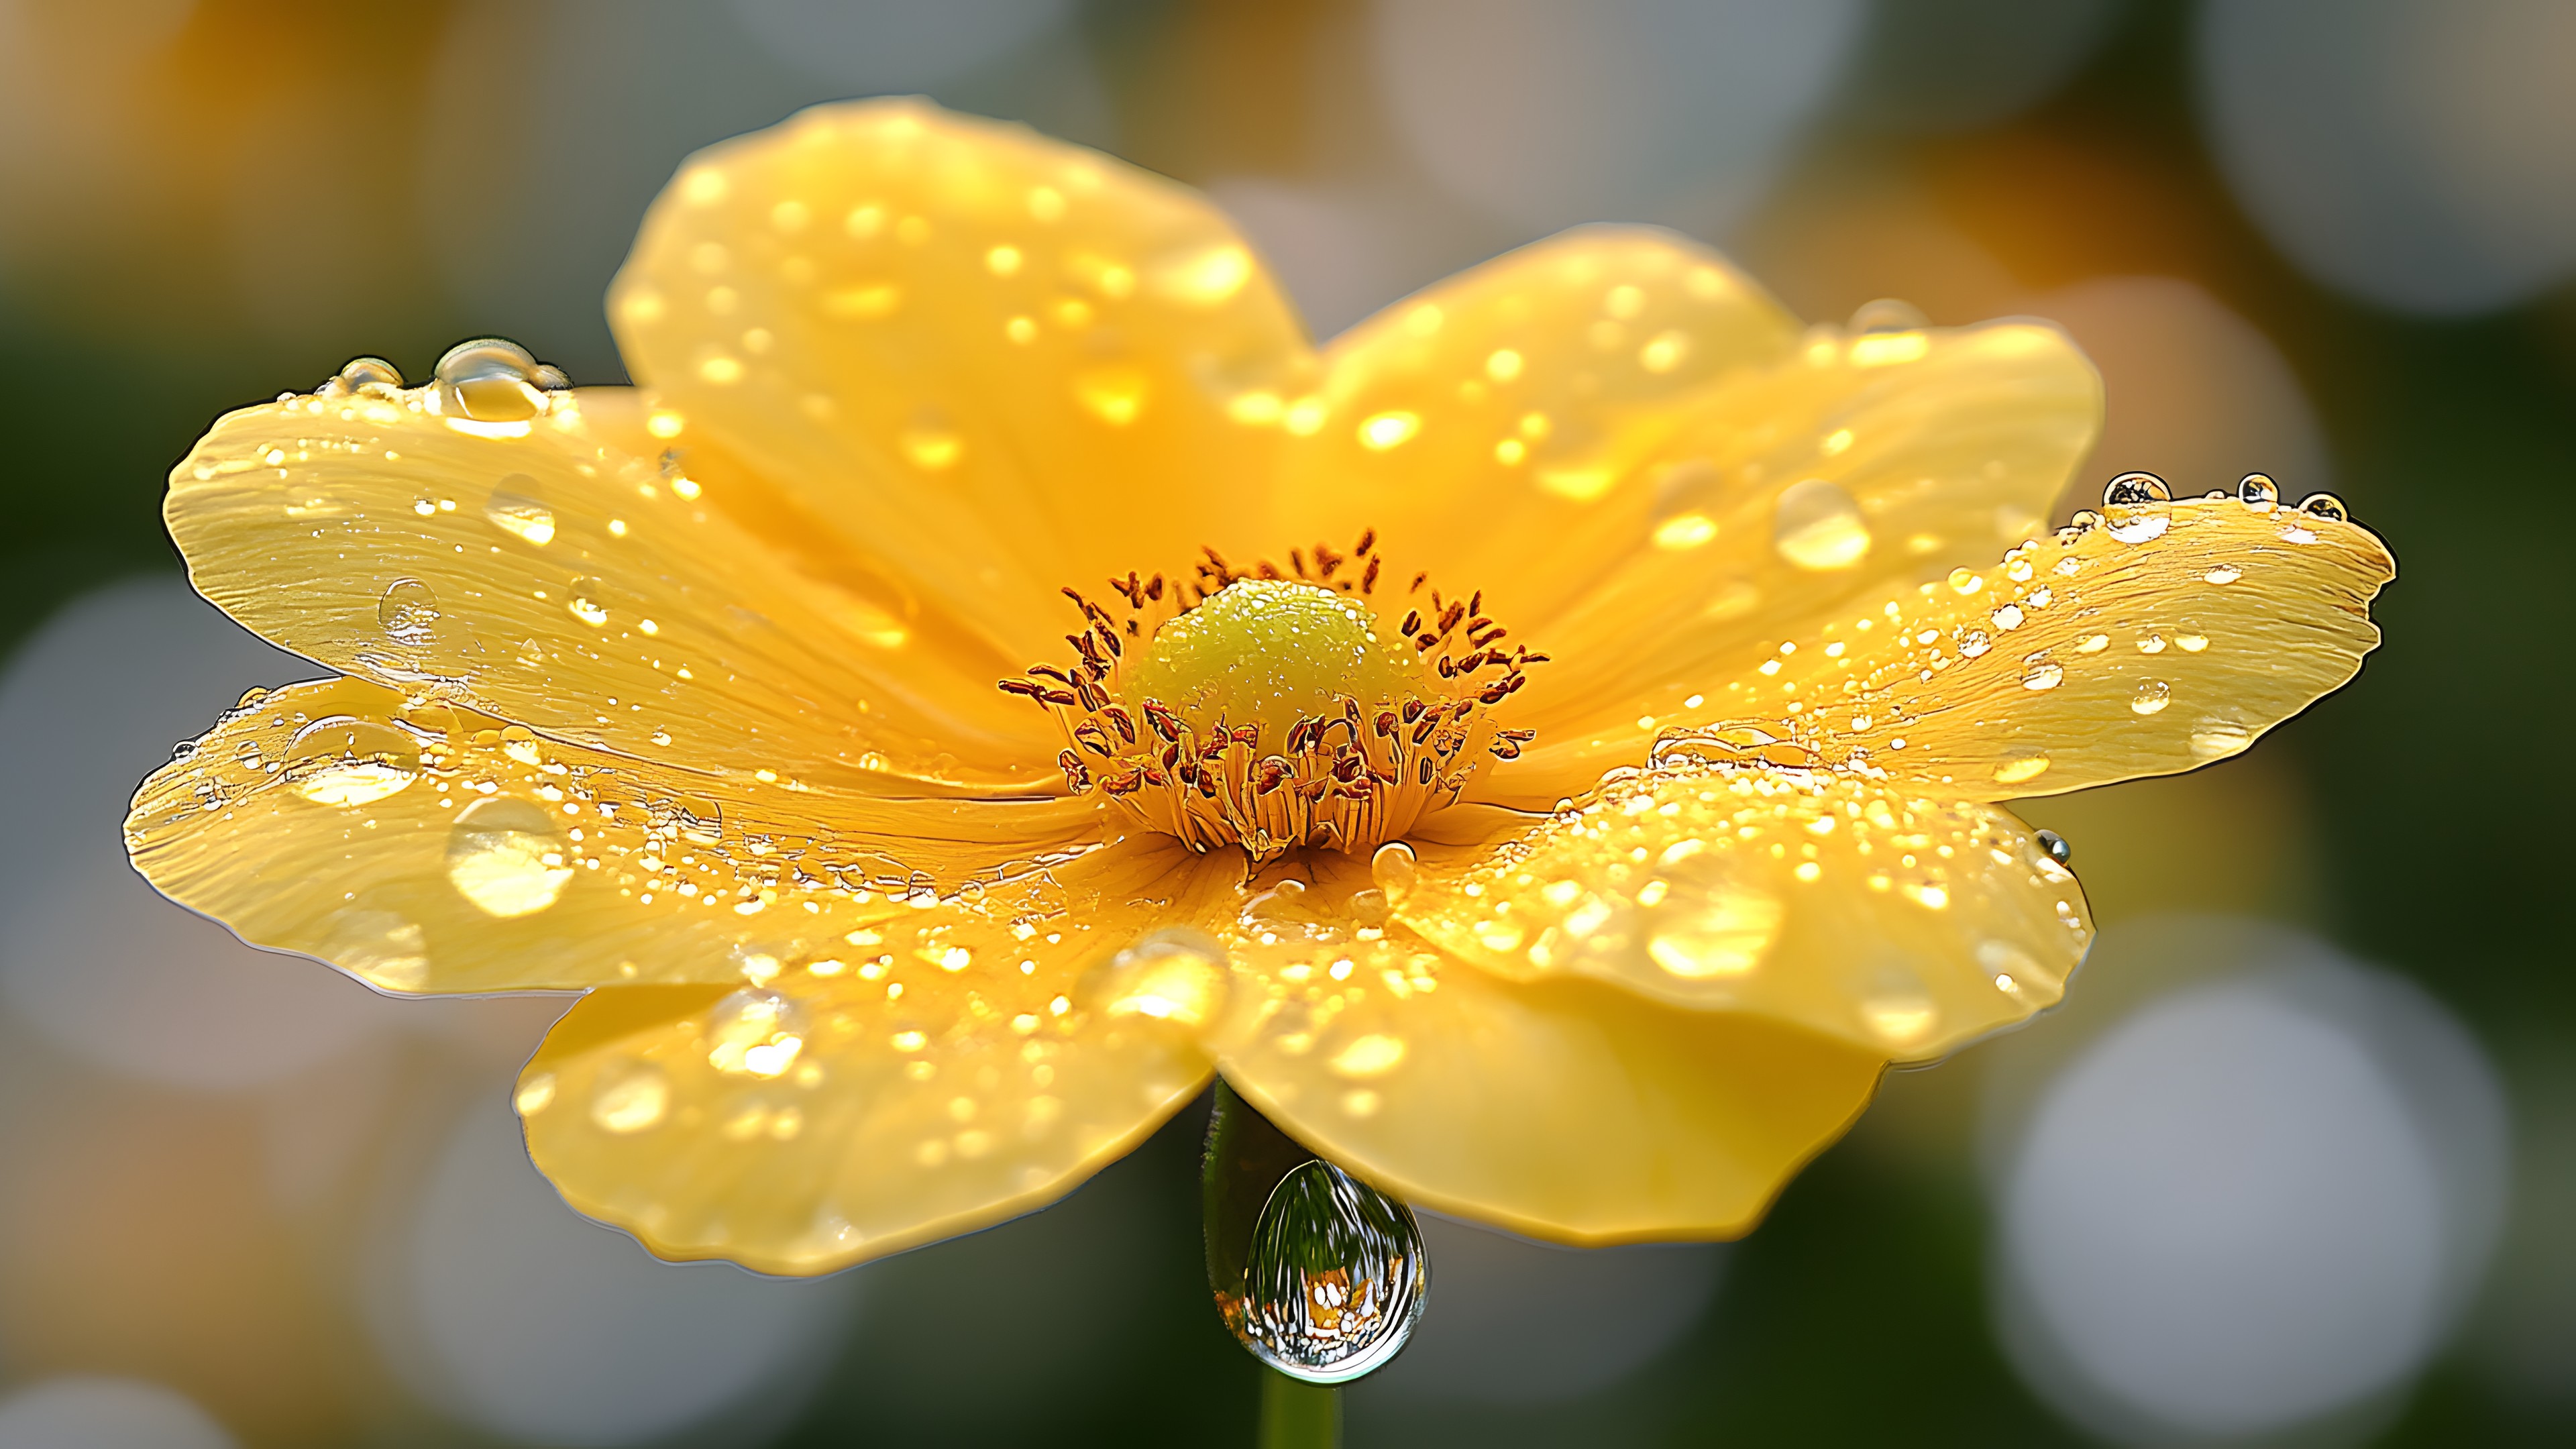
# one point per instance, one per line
(2224, 574)
(586, 601)
(632, 1098)
(489, 380)
(506, 855)
(2056, 846)
(364, 374)
(2216, 739)
(2043, 674)
(515, 509)
(1899, 1011)
(408, 611)
(2152, 696)
(1816, 525)
(2015, 769)
(2258, 492)
(1178, 976)
(2132, 489)
(754, 1034)
(346, 761)
(1319, 1275)
(1724, 931)
(2324, 505)
(1887, 314)
(1395, 870)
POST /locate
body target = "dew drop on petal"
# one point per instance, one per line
(2324, 505)
(2224, 574)
(1395, 870)
(2017, 768)
(1817, 526)
(346, 762)
(754, 1033)
(489, 380)
(2131, 489)
(1177, 976)
(506, 855)
(408, 610)
(1726, 931)
(2043, 674)
(2258, 492)
(515, 509)
(2152, 696)
(2059, 851)
(585, 603)
(629, 1099)
(2138, 527)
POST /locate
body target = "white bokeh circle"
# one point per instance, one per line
(98, 1411)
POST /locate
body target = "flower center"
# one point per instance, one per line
(1276, 709)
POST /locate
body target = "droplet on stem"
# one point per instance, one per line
(1318, 1274)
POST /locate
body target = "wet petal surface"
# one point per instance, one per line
(1902, 925)
(951, 1068)
(2164, 637)
(999, 363)
(1568, 1110)
(530, 569)
(426, 848)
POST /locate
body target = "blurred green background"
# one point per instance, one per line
(2332, 242)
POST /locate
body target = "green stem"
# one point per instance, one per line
(1296, 1415)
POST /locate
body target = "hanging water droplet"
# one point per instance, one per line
(1319, 1275)
(506, 856)
(2324, 505)
(490, 380)
(2131, 489)
(2258, 492)
(2152, 695)
(408, 610)
(1818, 526)
(347, 761)
(2056, 846)
(516, 509)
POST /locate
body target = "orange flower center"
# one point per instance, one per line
(1274, 709)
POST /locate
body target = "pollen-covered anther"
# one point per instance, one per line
(1280, 708)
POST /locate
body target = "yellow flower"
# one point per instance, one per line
(1541, 749)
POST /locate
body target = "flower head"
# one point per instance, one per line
(993, 672)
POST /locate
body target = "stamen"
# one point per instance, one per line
(1395, 740)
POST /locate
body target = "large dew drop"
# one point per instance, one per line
(506, 856)
(515, 509)
(1319, 1275)
(1818, 526)
(346, 761)
(489, 380)
(407, 611)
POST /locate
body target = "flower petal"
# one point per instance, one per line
(1857, 463)
(999, 363)
(425, 848)
(1564, 1109)
(1486, 426)
(822, 1120)
(535, 573)
(1904, 925)
(2167, 637)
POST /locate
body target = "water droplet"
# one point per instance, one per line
(2216, 739)
(633, 1098)
(1816, 525)
(346, 761)
(515, 509)
(2132, 489)
(1899, 1011)
(930, 441)
(2020, 767)
(506, 855)
(1887, 314)
(1320, 1275)
(364, 374)
(1724, 930)
(2043, 674)
(2258, 492)
(2056, 846)
(2152, 696)
(2009, 616)
(1176, 975)
(2324, 505)
(490, 380)
(754, 1033)
(585, 602)
(408, 610)
(1395, 870)
(1975, 642)
(2224, 574)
